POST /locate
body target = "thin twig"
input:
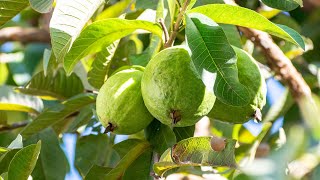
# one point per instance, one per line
(164, 28)
(176, 26)
(13, 126)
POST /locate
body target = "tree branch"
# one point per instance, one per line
(176, 26)
(278, 62)
(24, 35)
(13, 126)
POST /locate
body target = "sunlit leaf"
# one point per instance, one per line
(13, 101)
(115, 10)
(24, 161)
(196, 151)
(42, 6)
(102, 33)
(228, 14)
(10, 8)
(68, 19)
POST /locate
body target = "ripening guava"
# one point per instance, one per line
(120, 105)
(173, 91)
(250, 76)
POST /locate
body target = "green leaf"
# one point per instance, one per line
(5, 160)
(52, 163)
(100, 34)
(184, 132)
(131, 153)
(160, 136)
(13, 101)
(228, 14)
(83, 118)
(49, 62)
(100, 67)
(4, 73)
(286, 5)
(196, 151)
(212, 53)
(42, 6)
(102, 154)
(10, 8)
(68, 19)
(3, 118)
(55, 114)
(53, 86)
(23, 163)
(97, 173)
(115, 10)
(232, 34)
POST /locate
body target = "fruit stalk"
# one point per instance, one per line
(176, 26)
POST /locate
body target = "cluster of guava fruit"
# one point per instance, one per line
(170, 90)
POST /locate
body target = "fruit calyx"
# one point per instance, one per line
(110, 128)
(175, 115)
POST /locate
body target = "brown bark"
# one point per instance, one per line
(24, 35)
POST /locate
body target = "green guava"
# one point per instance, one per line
(250, 76)
(120, 106)
(173, 91)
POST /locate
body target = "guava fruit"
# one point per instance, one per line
(119, 104)
(173, 91)
(250, 76)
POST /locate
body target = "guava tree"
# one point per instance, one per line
(150, 89)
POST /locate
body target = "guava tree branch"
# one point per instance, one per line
(176, 26)
(278, 61)
(13, 126)
(24, 35)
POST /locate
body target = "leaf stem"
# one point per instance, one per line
(164, 28)
(176, 26)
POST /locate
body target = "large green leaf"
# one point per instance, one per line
(56, 85)
(102, 154)
(97, 173)
(228, 14)
(52, 163)
(55, 114)
(24, 161)
(287, 5)
(115, 10)
(160, 136)
(212, 53)
(6, 158)
(196, 151)
(101, 65)
(102, 33)
(13, 101)
(10, 8)
(133, 151)
(42, 6)
(68, 19)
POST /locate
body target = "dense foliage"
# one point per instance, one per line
(159, 89)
